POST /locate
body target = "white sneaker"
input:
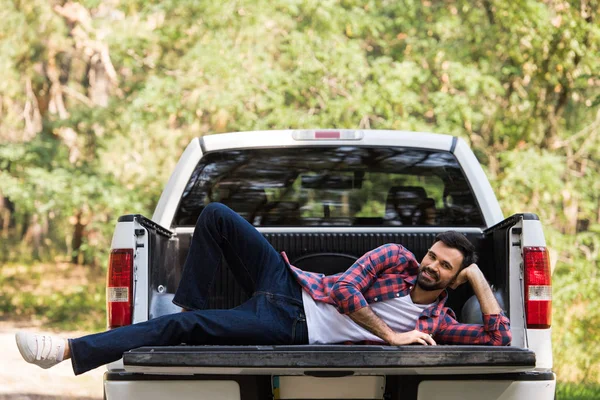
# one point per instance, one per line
(42, 350)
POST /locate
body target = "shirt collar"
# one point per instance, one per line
(411, 280)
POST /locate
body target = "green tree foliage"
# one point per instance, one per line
(98, 99)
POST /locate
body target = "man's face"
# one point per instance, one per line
(439, 267)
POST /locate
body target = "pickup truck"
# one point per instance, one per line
(326, 197)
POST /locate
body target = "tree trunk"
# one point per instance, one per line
(7, 208)
(78, 233)
(34, 235)
(99, 90)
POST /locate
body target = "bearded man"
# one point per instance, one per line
(386, 296)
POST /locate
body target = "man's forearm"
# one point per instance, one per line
(366, 318)
(484, 293)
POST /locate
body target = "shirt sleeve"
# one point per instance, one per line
(495, 331)
(347, 292)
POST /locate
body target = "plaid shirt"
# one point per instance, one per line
(388, 272)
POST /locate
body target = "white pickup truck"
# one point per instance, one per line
(325, 197)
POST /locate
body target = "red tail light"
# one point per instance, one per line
(538, 288)
(119, 288)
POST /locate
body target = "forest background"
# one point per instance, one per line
(99, 98)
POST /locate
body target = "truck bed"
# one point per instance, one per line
(327, 252)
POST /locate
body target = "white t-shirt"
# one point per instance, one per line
(327, 325)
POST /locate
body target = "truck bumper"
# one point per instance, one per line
(161, 390)
(533, 385)
(482, 389)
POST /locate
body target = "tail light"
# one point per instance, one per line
(538, 287)
(119, 288)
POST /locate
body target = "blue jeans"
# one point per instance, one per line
(274, 314)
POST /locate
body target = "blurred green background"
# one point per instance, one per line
(99, 98)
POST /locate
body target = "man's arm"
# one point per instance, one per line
(366, 318)
(483, 292)
(495, 331)
(347, 292)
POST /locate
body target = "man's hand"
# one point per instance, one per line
(463, 276)
(418, 337)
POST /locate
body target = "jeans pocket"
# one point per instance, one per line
(290, 317)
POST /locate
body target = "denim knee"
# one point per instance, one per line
(214, 210)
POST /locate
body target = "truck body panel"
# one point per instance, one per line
(167, 204)
(479, 183)
(160, 390)
(499, 390)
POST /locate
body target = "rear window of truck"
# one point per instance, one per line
(333, 186)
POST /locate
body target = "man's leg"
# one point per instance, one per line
(222, 233)
(264, 319)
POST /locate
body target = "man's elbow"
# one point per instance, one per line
(346, 298)
(506, 337)
(336, 294)
(501, 337)
(339, 299)
(498, 329)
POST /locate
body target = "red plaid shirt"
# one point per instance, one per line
(391, 271)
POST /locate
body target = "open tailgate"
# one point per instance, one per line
(328, 360)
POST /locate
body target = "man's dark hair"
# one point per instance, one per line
(459, 242)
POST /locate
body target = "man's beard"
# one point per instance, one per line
(430, 285)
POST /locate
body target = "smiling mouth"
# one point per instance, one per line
(429, 275)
